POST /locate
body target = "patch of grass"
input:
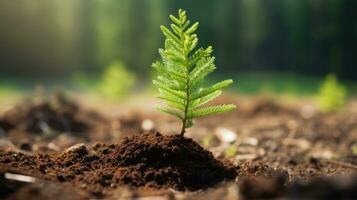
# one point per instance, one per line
(231, 151)
(332, 94)
(8, 89)
(279, 83)
(354, 149)
(116, 81)
(245, 83)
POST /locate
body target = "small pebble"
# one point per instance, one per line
(225, 135)
(147, 125)
(80, 149)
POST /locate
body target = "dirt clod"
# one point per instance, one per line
(26, 146)
(40, 114)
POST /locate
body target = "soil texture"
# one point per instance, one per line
(265, 149)
(146, 160)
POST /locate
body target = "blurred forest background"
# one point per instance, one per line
(253, 40)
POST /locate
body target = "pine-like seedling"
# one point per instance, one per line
(181, 71)
(332, 95)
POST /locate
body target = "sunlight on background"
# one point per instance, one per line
(280, 47)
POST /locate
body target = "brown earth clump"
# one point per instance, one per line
(149, 160)
(169, 161)
(48, 116)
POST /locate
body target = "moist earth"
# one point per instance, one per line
(146, 160)
(281, 151)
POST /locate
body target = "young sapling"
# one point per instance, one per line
(108, 84)
(332, 94)
(181, 71)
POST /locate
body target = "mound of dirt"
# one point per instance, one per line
(147, 160)
(41, 114)
(5, 126)
(170, 161)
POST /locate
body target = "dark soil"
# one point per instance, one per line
(147, 160)
(341, 187)
(51, 123)
(17, 190)
(42, 114)
(168, 161)
(282, 151)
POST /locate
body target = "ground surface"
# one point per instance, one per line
(264, 149)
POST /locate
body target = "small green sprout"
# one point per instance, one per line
(116, 81)
(354, 149)
(332, 94)
(207, 140)
(181, 71)
(231, 151)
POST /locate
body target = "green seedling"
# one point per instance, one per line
(231, 151)
(354, 149)
(207, 140)
(332, 94)
(181, 71)
(109, 84)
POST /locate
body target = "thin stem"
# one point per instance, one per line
(184, 120)
(183, 128)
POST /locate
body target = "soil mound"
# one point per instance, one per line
(170, 161)
(147, 160)
(42, 114)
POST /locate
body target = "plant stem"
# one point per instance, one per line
(183, 128)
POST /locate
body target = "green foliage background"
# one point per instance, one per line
(116, 81)
(45, 40)
(309, 36)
